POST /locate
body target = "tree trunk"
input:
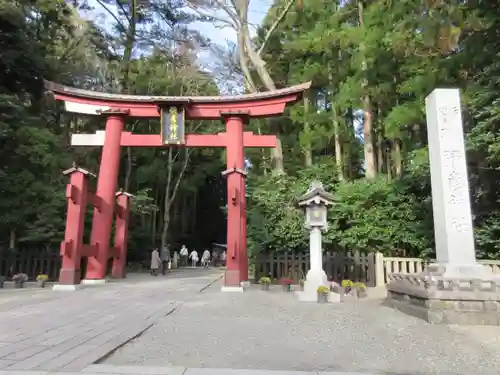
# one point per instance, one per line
(308, 158)
(338, 145)
(167, 200)
(388, 164)
(125, 68)
(171, 190)
(370, 157)
(370, 163)
(398, 158)
(260, 67)
(12, 239)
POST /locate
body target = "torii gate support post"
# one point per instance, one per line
(236, 242)
(72, 246)
(123, 205)
(243, 234)
(106, 188)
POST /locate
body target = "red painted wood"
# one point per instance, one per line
(154, 140)
(207, 111)
(236, 245)
(243, 233)
(197, 140)
(71, 247)
(94, 200)
(89, 250)
(121, 235)
(106, 188)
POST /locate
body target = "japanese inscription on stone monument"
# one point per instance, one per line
(453, 156)
(450, 187)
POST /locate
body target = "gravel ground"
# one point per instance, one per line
(271, 330)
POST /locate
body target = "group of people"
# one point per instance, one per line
(163, 262)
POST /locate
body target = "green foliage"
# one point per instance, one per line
(379, 216)
(274, 220)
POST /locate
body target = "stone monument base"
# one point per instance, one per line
(445, 300)
(459, 271)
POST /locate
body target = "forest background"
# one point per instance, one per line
(371, 64)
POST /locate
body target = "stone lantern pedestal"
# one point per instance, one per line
(315, 202)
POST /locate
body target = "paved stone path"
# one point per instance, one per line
(42, 329)
(182, 331)
(150, 370)
(271, 330)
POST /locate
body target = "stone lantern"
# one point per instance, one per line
(315, 202)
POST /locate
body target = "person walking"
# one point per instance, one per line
(223, 258)
(214, 258)
(205, 258)
(184, 256)
(194, 258)
(155, 262)
(165, 260)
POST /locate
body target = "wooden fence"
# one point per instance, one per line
(338, 267)
(32, 261)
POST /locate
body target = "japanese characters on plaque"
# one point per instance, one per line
(172, 125)
(454, 167)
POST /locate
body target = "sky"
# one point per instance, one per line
(256, 13)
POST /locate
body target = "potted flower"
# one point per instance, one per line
(360, 288)
(19, 279)
(41, 280)
(287, 284)
(265, 282)
(2, 281)
(346, 286)
(323, 292)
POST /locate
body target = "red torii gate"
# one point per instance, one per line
(234, 110)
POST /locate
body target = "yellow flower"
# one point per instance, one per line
(346, 283)
(323, 289)
(359, 285)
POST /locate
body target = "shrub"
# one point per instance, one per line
(265, 280)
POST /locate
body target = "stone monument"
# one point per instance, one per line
(455, 289)
(315, 202)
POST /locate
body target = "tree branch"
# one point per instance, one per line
(120, 23)
(275, 25)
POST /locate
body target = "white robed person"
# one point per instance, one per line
(194, 258)
(155, 262)
(184, 256)
(205, 258)
(223, 258)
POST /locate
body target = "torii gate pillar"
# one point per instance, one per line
(237, 258)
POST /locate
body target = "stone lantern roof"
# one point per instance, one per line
(316, 194)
